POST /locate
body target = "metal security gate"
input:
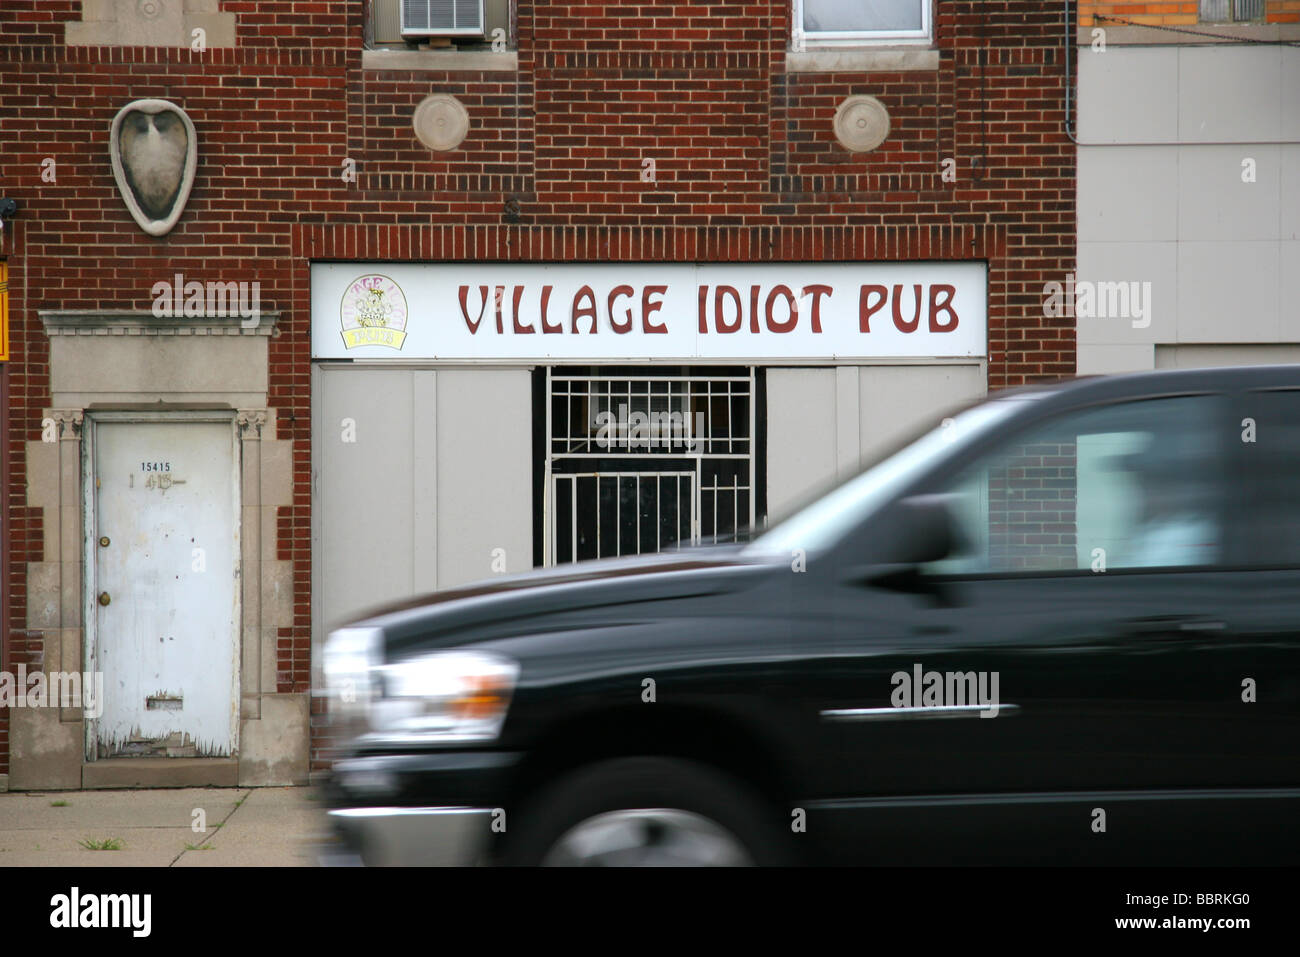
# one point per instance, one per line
(642, 463)
(600, 514)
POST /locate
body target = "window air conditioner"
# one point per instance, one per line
(459, 18)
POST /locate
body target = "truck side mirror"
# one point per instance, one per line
(925, 531)
(918, 530)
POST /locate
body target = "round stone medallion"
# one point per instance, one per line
(861, 123)
(441, 122)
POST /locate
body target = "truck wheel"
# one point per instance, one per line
(648, 812)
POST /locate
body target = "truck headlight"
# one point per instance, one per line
(444, 696)
(351, 656)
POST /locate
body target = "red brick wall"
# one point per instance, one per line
(747, 169)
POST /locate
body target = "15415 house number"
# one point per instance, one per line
(159, 476)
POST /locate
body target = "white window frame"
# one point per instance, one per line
(801, 39)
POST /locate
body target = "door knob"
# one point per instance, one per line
(103, 541)
(103, 598)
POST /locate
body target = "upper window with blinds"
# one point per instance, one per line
(1229, 11)
(819, 22)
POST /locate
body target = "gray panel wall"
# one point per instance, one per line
(1200, 356)
(440, 474)
(824, 425)
(485, 469)
(802, 446)
(1222, 255)
(899, 401)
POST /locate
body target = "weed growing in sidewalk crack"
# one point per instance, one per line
(107, 844)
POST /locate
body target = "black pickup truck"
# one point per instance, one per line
(1062, 627)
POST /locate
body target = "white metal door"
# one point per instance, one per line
(164, 576)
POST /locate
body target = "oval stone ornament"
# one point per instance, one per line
(154, 151)
(861, 123)
(441, 122)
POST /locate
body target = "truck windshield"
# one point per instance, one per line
(825, 521)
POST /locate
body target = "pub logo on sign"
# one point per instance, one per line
(373, 313)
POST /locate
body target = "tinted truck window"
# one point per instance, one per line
(1131, 485)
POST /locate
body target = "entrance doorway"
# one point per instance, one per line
(162, 573)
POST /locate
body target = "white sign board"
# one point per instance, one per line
(650, 311)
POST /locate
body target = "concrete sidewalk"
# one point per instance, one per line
(245, 827)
